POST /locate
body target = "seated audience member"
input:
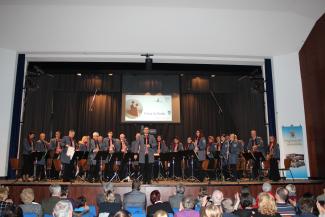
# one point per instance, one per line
(110, 205)
(63, 208)
(65, 195)
(306, 206)
(122, 213)
(12, 211)
(81, 207)
(176, 199)
(211, 211)
(321, 197)
(27, 197)
(267, 187)
(4, 201)
(245, 192)
(292, 197)
(107, 187)
(48, 204)
(266, 206)
(246, 203)
(135, 198)
(217, 197)
(202, 199)
(227, 208)
(186, 208)
(160, 213)
(321, 209)
(283, 208)
(157, 204)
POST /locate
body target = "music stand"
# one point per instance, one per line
(217, 156)
(129, 158)
(117, 157)
(192, 156)
(160, 166)
(101, 156)
(37, 156)
(259, 157)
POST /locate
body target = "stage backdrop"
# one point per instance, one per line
(62, 102)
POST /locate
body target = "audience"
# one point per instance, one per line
(283, 203)
(81, 207)
(63, 208)
(110, 205)
(135, 198)
(266, 206)
(211, 211)
(29, 206)
(228, 208)
(12, 211)
(267, 187)
(283, 208)
(48, 204)
(217, 197)
(4, 201)
(160, 213)
(306, 206)
(186, 208)
(122, 213)
(176, 199)
(246, 203)
(107, 187)
(157, 204)
(65, 194)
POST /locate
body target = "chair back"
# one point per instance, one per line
(30, 214)
(47, 215)
(14, 163)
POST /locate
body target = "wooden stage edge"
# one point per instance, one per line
(166, 188)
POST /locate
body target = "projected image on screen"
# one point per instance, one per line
(145, 108)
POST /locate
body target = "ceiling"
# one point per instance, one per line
(246, 28)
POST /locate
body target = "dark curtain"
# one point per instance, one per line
(64, 101)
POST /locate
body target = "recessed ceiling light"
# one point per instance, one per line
(212, 76)
(182, 74)
(79, 74)
(110, 74)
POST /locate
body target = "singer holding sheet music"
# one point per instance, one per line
(148, 145)
(66, 159)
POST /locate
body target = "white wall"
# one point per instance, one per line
(289, 104)
(8, 62)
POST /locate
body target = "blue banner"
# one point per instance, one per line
(294, 145)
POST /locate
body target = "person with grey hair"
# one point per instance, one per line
(107, 187)
(63, 208)
(175, 200)
(266, 187)
(217, 197)
(48, 204)
(186, 208)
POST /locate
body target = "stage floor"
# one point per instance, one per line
(166, 188)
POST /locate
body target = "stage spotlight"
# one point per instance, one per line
(212, 76)
(182, 75)
(110, 74)
(79, 74)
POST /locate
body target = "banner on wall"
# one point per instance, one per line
(294, 144)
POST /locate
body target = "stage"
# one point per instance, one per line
(166, 188)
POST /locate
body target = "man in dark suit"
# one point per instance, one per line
(157, 204)
(148, 145)
(135, 198)
(255, 144)
(68, 167)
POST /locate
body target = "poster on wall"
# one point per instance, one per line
(294, 143)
